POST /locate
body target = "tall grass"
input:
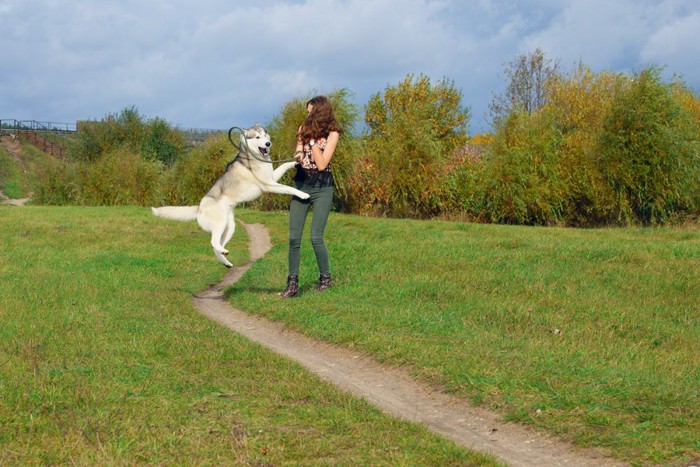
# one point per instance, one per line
(590, 334)
(17, 180)
(104, 360)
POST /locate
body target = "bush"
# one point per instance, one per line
(162, 143)
(120, 178)
(520, 181)
(578, 104)
(593, 149)
(58, 183)
(191, 177)
(606, 149)
(154, 140)
(649, 153)
(414, 129)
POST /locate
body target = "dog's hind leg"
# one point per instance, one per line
(222, 259)
(229, 230)
(219, 252)
(217, 234)
(212, 218)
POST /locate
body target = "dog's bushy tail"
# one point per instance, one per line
(176, 213)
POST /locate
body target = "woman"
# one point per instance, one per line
(317, 140)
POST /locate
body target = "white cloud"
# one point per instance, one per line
(218, 63)
(674, 44)
(614, 35)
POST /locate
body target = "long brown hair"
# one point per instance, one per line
(320, 121)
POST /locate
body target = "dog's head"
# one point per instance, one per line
(256, 139)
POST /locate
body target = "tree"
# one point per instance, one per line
(152, 139)
(649, 151)
(161, 142)
(579, 102)
(414, 127)
(436, 109)
(526, 90)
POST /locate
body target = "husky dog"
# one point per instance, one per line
(245, 179)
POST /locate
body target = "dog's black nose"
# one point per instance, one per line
(268, 144)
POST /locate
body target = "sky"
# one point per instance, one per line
(214, 64)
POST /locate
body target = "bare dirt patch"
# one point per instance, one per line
(15, 202)
(392, 389)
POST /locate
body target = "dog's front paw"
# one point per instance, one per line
(303, 196)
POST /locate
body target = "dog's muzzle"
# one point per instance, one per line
(264, 151)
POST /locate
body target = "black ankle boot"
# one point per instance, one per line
(292, 289)
(324, 282)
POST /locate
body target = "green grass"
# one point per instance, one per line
(104, 360)
(10, 171)
(14, 181)
(590, 334)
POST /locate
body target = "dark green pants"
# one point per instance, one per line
(321, 199)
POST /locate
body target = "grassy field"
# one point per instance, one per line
(590, 334)
(104, 360)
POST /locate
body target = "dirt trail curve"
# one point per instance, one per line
(392, 389)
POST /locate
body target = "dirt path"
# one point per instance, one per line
(15, 202)
(391, 389)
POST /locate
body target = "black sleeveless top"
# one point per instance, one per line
(307, 171)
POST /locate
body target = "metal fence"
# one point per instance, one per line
(50, 137)
(9, 125)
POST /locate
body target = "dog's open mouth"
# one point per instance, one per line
(263, 151)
